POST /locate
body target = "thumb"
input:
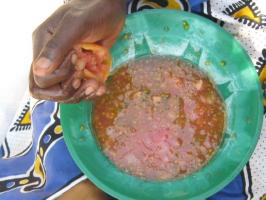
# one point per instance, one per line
(57, 48)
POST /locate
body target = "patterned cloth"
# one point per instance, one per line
(35, 163)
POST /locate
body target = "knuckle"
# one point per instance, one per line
(52, 44)
(41, 83)
(51, 50)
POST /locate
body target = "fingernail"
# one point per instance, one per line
(80, 65)
(76, 83)
(43, 63)
(100, 91)
(90, 96)
(89, 90)
(74, 59)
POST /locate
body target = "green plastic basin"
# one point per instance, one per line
(213, 50)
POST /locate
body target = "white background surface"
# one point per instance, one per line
(18, 19)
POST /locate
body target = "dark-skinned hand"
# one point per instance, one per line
(53, 75)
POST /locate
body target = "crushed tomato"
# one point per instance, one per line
(98, 61)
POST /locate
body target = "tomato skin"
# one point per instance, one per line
(98, 61)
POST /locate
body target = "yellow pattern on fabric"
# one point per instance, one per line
(26, 118)
(23, 121)
(173, 4)
(41, 151)
(263, 197)
(23, 181)
(58, 129)
(263, 74)
(247, 13)
(38, 169)
(35, 177)
(263, 79)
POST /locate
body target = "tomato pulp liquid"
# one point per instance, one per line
(160, 118)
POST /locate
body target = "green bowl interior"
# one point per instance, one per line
(214, 51)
